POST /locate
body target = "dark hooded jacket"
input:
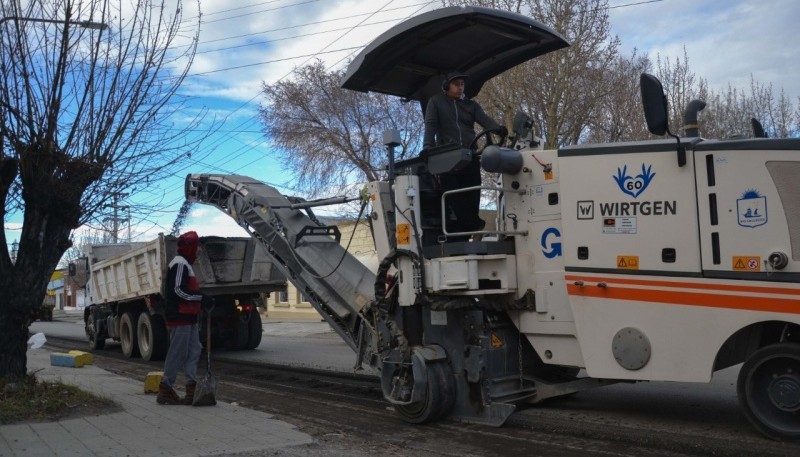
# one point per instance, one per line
(183, 296)
(453, 121)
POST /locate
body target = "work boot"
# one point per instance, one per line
(167, 395)
(190, 388)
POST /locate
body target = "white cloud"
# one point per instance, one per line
(726, 42)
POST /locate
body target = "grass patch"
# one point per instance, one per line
(32, 400)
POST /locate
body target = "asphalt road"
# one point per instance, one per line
(684, 418)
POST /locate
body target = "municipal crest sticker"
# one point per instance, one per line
(752, 209)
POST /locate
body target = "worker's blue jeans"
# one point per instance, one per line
(184, 351)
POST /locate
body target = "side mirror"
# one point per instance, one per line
(655, 111)
(655, 104)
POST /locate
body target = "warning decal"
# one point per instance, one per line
(403, 234)
(628, 262)
(746, 263)
(496, 341)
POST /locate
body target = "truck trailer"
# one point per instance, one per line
(125, 289)
(659, 260)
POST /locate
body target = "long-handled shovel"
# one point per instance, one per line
(206, 394)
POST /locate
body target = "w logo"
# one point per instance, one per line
(634, 185)
(586, 209)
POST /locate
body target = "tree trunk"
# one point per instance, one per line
(13, 331)
(43, 240)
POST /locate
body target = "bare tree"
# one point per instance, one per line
(84, 114)
(680, 83)
(332, 137)
(620, 117)
(729, 111)
(775, 112)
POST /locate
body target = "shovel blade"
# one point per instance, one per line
(206, 393)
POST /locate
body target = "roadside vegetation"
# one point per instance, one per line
(31, 400)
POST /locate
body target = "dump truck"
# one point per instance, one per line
(125, 290)
(658, 260)
(44, 312)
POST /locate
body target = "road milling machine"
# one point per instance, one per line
(664, 260)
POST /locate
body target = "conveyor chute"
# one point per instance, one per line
(308, 252)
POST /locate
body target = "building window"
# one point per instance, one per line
(283, 296)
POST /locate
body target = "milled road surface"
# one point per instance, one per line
(622, 420)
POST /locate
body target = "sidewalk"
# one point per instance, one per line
(144, 428)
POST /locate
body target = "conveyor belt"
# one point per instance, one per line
(306, 251)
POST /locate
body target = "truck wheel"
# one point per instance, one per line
(153, 337)
(769, 390)
(96, 342)
(127, 336)
(438, 400)
(255, 330)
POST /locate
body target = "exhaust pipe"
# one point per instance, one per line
(690, 125)
(758, 129)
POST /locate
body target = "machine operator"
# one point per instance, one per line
(450, 118)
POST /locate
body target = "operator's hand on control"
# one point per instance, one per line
(208, 302)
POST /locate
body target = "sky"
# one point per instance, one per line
(246, 43)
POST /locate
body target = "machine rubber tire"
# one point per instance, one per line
(128, 336)
(152, 336)
(254, 330)
(96, 342)
(769, 390)
(438, 400)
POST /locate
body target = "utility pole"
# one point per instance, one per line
(14, 251)
(115, 219)
(115, 226)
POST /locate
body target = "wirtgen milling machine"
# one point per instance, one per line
(657, 260)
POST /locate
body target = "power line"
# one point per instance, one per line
(249, 148)
(424, 5)
(307, 24)
(257, 43)
(257, 12)
(629, 4)
(368, 16)
(236, 9)
(344, 34)
(238, 67)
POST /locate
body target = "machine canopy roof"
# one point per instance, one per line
(410, 59)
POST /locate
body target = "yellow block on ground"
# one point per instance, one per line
(61, 359)
(86, 357)
(152, 381)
